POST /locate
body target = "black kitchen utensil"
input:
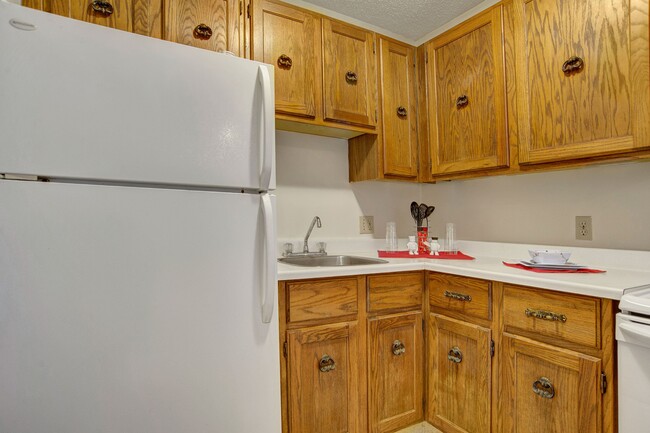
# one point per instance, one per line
(415, 212)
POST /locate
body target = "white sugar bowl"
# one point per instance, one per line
(549, 257)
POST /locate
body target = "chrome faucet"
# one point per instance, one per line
(316, 220)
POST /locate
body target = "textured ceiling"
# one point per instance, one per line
(411, 19)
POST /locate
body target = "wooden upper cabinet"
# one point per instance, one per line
(349, 80)
(289, 39)
(199, 23)
(582, 78)
(546, 388)
(466, 91)
(398, 108)
(137, 16)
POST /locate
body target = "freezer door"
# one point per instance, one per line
(82, 101)
(134, 310)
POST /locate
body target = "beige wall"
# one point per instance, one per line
(535, 208)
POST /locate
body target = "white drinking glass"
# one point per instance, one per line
(391, 236)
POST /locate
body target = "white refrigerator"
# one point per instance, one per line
(137, 234)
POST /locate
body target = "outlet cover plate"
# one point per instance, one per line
(584, 231)
(366, 225)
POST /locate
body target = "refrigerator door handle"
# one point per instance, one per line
(269, 270)
(267, 139)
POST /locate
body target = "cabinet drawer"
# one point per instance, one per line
(395, 291)
(469, 296)
(321, 299)
(572, 318)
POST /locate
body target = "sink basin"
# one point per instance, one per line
(330, 261)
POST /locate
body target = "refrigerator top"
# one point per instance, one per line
(80, 101)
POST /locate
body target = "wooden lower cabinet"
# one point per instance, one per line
(459, 368)
(322, 377)
(395, 367)
(546, 388)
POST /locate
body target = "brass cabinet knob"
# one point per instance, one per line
(398, 348)
(326, 364)
(544, 388)
(202, 32)
(455, 355)
(462, 101)
(102, 7)
(351, 77)
(574, 64)
(401, 111)
(285, 62)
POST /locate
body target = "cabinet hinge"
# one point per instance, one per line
(375, 115)
(248, 11)
(374, 47)
(241, 8)
(492, 348)
(426, 57)
(603, 383)
(284, 349)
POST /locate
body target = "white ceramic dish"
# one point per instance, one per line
(566, 266)
(549, 257)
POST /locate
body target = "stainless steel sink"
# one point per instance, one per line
(312, 261)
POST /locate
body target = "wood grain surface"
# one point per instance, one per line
(321, 299)
(182, 17)
(399, 291)
(480, 291)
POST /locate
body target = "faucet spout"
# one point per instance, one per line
(315, 221)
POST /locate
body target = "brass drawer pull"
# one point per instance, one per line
(573, 65)
(398, 348)
(455, 355)
(544, 388)
(351, 77)
(545, 315)
(285, 62)
(202, 32)
(458, 296)
(102, 7)
(326, 364)
(462, 101)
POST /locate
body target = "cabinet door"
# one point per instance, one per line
(323, 379)
(349, 80)
(459, 375)
(137, 16)
(582, 78)
(201, 24)
(286, 37)
(549, 389)
(395, 371)
(466, 88)
(397, 75)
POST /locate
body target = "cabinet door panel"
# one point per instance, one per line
(549, 387)
(137, 16)
(323, 379)
(459, 375)
(349, 80)
(397, 74)
(467, 97)
(395, 367)
(600, 109)
(286, 38)
(197, 23)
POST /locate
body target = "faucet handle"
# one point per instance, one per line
(321, 247)
(287, 248)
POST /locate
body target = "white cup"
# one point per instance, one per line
(391, 236)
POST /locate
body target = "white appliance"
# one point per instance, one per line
(633, 335)
(137, 234)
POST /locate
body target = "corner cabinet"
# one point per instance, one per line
(393, 152)
(466, 97)
(582, 75)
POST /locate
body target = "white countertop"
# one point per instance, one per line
(625, 270)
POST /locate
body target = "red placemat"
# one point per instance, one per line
(555, 271)
(406, 255)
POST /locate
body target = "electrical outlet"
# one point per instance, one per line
(366, 225)
(583, 228)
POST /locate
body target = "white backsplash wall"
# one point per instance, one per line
(538, 208)
(312, 179)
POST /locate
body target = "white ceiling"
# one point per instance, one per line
(410, 20)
